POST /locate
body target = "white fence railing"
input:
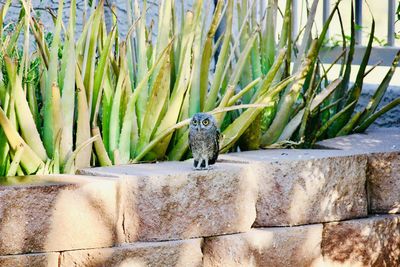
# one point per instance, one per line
(384, 54)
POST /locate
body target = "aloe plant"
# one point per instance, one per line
(336, 100)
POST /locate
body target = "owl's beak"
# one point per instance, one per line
(198, 127)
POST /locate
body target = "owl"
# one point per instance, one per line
(203, 140)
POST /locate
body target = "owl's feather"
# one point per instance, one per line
(216, 152)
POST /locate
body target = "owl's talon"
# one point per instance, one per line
(197, 166)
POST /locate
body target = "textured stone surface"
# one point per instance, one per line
(384, 182)
(306, 186)
(158, 254)
(372, 241)
(383, 169)
(57, 216)
(31, 260)
(169, 200)
(374, 140)
(281, 246)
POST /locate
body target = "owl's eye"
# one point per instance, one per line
(206, 122)
(194, 122)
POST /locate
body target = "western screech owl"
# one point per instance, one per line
(203, 140)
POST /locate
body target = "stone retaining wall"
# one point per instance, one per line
(325, 207)
(372, 241)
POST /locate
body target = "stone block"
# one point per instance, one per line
(158, 254)
(56, 215)
(306, 186)
(373, 241)
(280, 246)
(167, 201)
(383, 182)
(30, 260)
(382, 147)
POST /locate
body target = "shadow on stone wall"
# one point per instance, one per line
(375, 243)
(57, 217)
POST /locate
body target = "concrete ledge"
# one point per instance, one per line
(57, 216)
(183, 253)
(31, 260)
(168, 200)
(378, 140)
(306, 186)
